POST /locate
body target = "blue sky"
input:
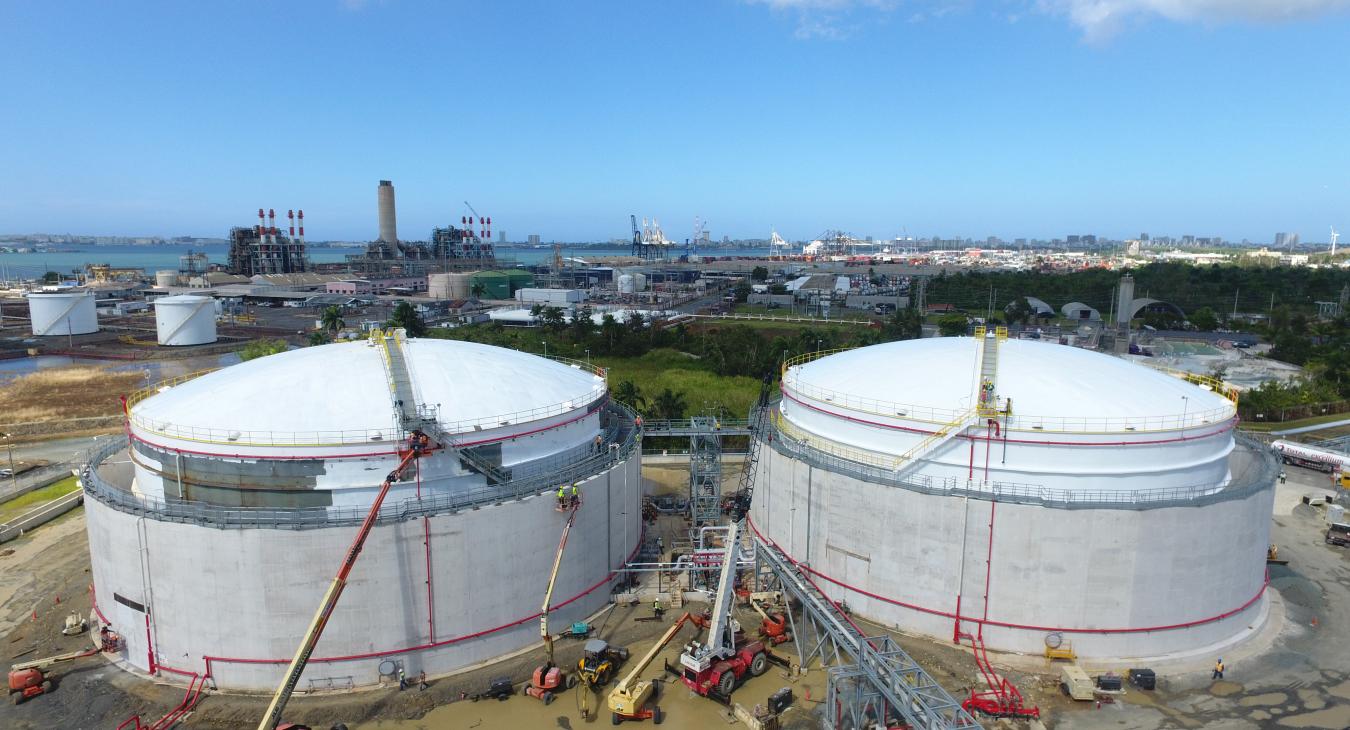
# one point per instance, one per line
(930, 117)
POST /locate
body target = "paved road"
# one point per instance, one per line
(1308, 429)
(64, 455)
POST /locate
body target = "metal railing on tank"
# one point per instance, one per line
(1254, 474)
(793, 382)
(620, 441)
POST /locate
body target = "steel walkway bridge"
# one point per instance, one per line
(879, 681)
(688, 427)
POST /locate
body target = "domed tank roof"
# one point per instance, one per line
(1042, 379)
(346, 387)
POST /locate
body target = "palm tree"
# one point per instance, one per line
(669, 405)
(332, 319)
(478, 290)
(630, 395)
(406, 317)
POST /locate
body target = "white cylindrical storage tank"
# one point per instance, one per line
(1020, 491)
(278, 460)
(639, 282)
(185, 320)
(449, 286)
(62, 313)
(626, 284)
(166, 278)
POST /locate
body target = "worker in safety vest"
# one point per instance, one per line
(1218, 669)
(562, 496)
(576, 497)
(656, 608)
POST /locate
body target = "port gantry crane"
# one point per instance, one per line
(418, 443)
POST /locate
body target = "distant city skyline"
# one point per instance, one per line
(1032, 118)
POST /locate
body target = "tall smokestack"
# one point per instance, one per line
(388, 220)
(291, 215)
(302, 226)
(262, 226)
(272, 224)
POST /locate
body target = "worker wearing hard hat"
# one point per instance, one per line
(576, 496)
(562, 496)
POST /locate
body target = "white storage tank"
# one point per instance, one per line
(1015, 490)
(449, 286)
(166, 278)
(627, 285)
(640, 282)
(62, 313)
(185, 320)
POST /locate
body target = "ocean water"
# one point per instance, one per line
(153, 258)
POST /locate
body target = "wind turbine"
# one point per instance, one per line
(1334, 236)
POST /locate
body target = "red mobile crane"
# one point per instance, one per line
(418, 443)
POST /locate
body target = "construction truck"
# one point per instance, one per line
(30, 679)
(548, 679)
(595, 669)
(716, 666)
(628, 700)
(418, 444)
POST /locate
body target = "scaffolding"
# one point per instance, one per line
(705, 470)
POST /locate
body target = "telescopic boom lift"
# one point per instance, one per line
(417, 444)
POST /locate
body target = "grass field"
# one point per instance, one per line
(1266, 426)
(77, 392)
(682, 373)
(19, 505)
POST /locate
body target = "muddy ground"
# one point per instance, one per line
(1294, 675)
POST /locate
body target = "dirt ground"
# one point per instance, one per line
(1295, 674)
(65, 393)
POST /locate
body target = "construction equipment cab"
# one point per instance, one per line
(717, 665)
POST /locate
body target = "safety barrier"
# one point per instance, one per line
(619, 443)
(1253, 474)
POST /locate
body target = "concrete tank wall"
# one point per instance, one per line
(245, 596)
(65, 313)
(1072, 570)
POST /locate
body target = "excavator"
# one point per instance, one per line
(30, 679)
(549, 679)
(595, 668)
(418, 444)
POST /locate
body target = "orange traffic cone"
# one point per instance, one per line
(1314, 622)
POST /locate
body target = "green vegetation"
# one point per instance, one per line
(331, 319)
(319, 337)
(1323, 349)
(261, 348)
(1252, 289)
(406, 316)
(685, 370)
(24, 503)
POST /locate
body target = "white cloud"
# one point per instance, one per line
(1100, 19)
(826, 19)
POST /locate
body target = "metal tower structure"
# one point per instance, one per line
(705, 471)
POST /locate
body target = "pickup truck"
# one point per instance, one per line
(1338, 533)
